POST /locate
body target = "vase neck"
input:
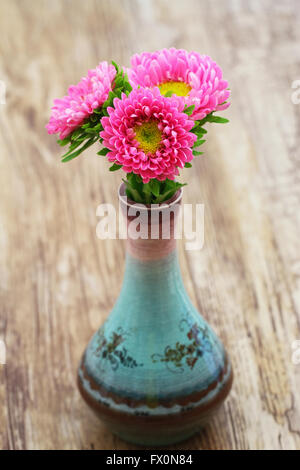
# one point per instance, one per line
(146, 281)
(151, 229)
(154, 247)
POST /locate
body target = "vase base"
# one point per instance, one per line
(155, 441)
(156, 431)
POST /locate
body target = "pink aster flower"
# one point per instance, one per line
(82, 99)
(195, 78)
(148, 134)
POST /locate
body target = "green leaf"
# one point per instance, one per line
(63, 142)
(118, 82)
(168, 190)
(72, 147)
(134, 180)
(118, 93)
(147, 188)
(147, 192)
(189, 110)
(199, 142)
(154, 192)
(218, 119)
(204, 120)
(187, 165)
(128, 88)
(78, 152)
(115, 167)
(103, 151)
(196, 153)
(132, 193)
(197, 127)
(75, 134)
(155, 186)
(202, 130)
(94, 130)
(115, 65)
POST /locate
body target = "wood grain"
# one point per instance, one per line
(58, 282)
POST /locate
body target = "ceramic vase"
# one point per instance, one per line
(155, 371)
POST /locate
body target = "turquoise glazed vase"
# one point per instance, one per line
(155, 371)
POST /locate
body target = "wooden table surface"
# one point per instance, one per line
(58, 282)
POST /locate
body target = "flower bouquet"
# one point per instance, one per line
(149, 118)
(155, 371)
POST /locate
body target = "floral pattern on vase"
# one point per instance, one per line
(186, 354)
(109, 350)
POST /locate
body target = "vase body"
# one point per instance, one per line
(155, 371)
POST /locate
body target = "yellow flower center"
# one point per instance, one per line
(148, 136)
(178, 88)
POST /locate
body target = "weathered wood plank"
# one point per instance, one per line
(58, 281)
